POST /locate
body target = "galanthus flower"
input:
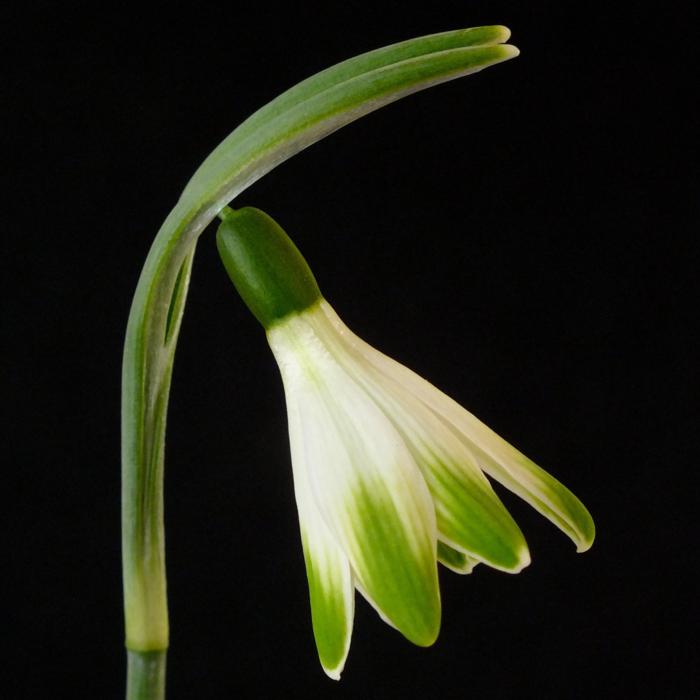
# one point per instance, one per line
(390, 474)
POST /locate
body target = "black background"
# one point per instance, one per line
(524, 238)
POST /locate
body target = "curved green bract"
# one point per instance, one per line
(339, 74)
(264, 265)
(296, 119)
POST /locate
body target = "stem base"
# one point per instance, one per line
(145, 675)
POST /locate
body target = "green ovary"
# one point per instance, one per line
(265, 266)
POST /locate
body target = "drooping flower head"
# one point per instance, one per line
(390, 474)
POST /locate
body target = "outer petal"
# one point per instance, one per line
(365, 482)
(498, 458)
(327, 568)
(470, 517)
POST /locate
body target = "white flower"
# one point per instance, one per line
(389, 473)
(389, 479)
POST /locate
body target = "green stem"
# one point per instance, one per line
(148, 360)
(145, 678)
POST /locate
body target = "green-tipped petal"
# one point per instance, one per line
(377, 504)
(470, 516)
(331, 590)
(533, 484)
(331, 594)
(397, 577)
(499, 459)
(454, 560)
(365, 483)
(515, 471)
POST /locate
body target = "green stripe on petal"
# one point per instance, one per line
(532, 483)
(497, 457)
(454, 560)
(331, 594)
(470, 516)
(400, 585)
(473, 519)
(378, 506)
(521, 475)
(331, 590)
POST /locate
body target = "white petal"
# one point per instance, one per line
(470, 517)
(498, 458)
(364, 481)
(331, 590)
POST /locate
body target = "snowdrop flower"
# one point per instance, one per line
(390, 474)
